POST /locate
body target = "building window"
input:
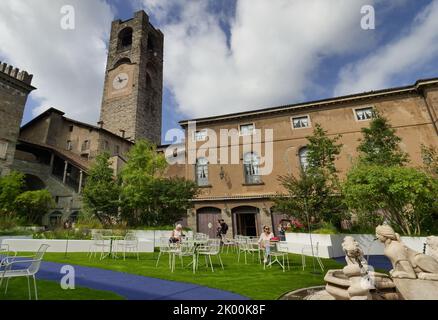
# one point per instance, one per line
(106, 145)
(200, 135)
(117, 149)
(86, 145)
(247, 129)
(364, 114)
(301, 122)
(3, 150)
(70, 128)
(304, 157)
(251, 163)
(69, 145)
(202, 172)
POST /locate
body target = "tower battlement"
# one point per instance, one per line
(15, 73)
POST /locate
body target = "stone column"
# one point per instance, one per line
(52, 161)
(81, 177)
(64, 179)
(227, 216)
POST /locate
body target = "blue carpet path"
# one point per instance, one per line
(134, 287)
(378, 262)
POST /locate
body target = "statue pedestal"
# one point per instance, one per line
(416, 289)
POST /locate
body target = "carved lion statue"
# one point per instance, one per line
(353, 253)
(406, 263)
(432, 243)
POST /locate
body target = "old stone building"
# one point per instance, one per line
(15, 87)
(134, 80)
(55, 152)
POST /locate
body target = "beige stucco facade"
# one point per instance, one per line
(411, 111)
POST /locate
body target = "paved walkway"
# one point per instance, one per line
(134, 287)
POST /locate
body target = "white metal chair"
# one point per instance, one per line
(33, 266)
(227, 243)
(185, 249)
(308, 251)
(164, 246)
(5, 252)
(279, 250)
(129, 245)
(213, 248)
(99, 245)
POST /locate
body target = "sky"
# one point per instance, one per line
(224, 56)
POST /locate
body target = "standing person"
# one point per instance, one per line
(265, 242)
(219, 229)
(224, 229)
(281, 232)
(176, 235)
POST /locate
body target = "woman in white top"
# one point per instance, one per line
(265, 241)
(176, 234)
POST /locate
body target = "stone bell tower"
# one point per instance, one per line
(132, 98)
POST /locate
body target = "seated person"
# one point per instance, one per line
(265, 242)
(177, 234)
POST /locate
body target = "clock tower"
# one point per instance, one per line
(132, 98)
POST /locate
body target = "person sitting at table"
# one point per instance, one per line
(177, 234)
(265, 242)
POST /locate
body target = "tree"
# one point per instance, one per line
(147, 196)
(316, 192)
(143, 166)
(33, 205)
(102, 191)
(172, 198)
(380, 145)
(430, 160)
(11, 186)
(404, 197)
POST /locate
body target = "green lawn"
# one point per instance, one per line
(50, 290)
(248, 280)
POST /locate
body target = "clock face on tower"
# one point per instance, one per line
(120, 81)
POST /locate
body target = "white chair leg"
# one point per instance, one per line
(220, 259)
(211, 264)
(28, 288)
(35, 286)
(7, 285)
(158, 260)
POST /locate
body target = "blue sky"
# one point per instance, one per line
(224, 56)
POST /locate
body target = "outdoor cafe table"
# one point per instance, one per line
(111, 239)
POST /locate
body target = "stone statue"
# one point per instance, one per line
(432, 243)
(357, 280)
(353, 253)
(406, 263)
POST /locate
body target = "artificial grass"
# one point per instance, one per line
(248, 280)
(50, 290)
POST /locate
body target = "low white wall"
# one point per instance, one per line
(155, 235)
(27, 245)
(330, 245)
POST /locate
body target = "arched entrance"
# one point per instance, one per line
(33, 183)
(55, 219)
(245, 220)
(207, 220)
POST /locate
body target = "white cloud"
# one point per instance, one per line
(276, 46)
(417, 47)
(68, 66)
